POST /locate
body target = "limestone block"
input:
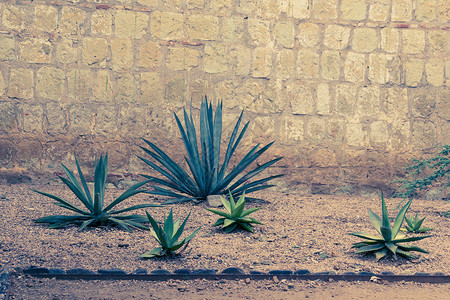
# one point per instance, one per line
(379, 10)
(336, 131)
(32, 118)
(94, 52)
(72, 21)
(331, 65)
(435, 71)
(7, 150)
(102, 89)
(7, 47)
(222, 7)
(443, 11)
(45, 18)
(122, 54)
(309, 34)
(336, 37)
(396, 100)
(413, 71)
(243, 58)
(364, 40)
(445, 134)
(35, 51)
(346, 99)
(50, 83)
(368, 103)
(285, 33)
(389, 39)
(55, 119)
(395, 70)
(2, 84)
(301, 98)
(422, 102)
(151, 88)
(323, 99)
(378, 71)
(8, 115)
(437, 41)
(323, 158)
(378, 133)
(413, 41)
(149, 55)
(67, 52)
(300, 9)
(356, 135)
(21, 83)
(284, 64)
(132, 121)
(13, 17)
(173, 3)
(307, 64)
(131, 24)
(259, 31)
(202, 27)
(246, 6)
(79, 83)
(106, 120)
(426, 10)
(293, 129)
(401, 10)
(400, 132)
(423, 134)
(262, 62)
(316, 129)
(192, 3)
(101, 22)
(125, 88)
(260, 96)
(215, 58)
(214, 200)
(354, 67)
(269, 9)
(262, 129)
(81, 118)
(232, 29)
(182, 58)
(325, 9)
(443, 104)
(226, 90)
(167, 25)
(174, 92)
(353, 9)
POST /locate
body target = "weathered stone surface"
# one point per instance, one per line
(55, 119)
(13, 17)
(151, 88)
(29, 154)
(202, 27)
(174, 92)
(125, 88)
(149, 55)
(364, 40)
(233, 29)
(214, 200)
(379, 10)
(222, 7)
(307, 64)
(242, 57)
(130, 24)
(2, 84)
(106, 120)
(101, 22)
(331, 65)
(389, 39)
(45, 18)
(50, 83)
(32, 118)
(102, 89)
(166, 25)
(8, 115)
(262, 62)
(72, 21)
(446, 133)
(67, 52)
(81, 118)
(336, 37)
(346, 99)
(368, 103)
(353, 9)
(316, 130)
(94, 52)
(397, 103)
(268, 9)
(122, 54)
(285, 64)
(413, 41)
(426, 10)
(182, 58)
(259, 31)
(21, 83)
(443, 11)
(7, 150)
(36, 51)
(323, 99)
(7, 47)
(378, 71)
(423, 134)
(437, 41)
(443, 104)
(356, 135)
(284, 33)
(423, 102)
(293, 129)
(325, 9)
(133, 120)
(435, 72)
(414, 71)
(354, 67)
(79, 84)
(401, 10)
(300, 9)
(301, 98)
(215, 59)
(378, 133)
(309, 34)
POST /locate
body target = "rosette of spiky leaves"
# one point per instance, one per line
(390, 239)
(203, 159)
(235, 215)
(94, 214)
(168, 236)
(415, 225)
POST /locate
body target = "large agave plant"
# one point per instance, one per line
(203, 159)
(390, 239)
(94, 213)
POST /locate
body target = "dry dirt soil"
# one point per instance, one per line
(299, 232)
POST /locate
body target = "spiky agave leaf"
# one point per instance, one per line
(168, 236)
(235, 215)
(415, 225)
(207, 176)
(389, 239)
(94, 213)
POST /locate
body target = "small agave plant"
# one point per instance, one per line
(415, 225)
(235, 215)
(94, 214)
(390, 239)
(209, 177)
(168, 236)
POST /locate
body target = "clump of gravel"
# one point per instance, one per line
(299, 232)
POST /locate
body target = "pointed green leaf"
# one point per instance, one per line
(381, 253)
(400, 217)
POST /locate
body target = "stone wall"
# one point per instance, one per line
(349, 89)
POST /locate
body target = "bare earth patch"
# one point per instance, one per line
(299, 232)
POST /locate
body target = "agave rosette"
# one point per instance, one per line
(415, 225)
